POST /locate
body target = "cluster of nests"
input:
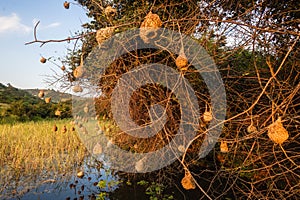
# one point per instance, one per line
(148, 31)
(42, 94)
(63, 129)
(58, 113)
(148, 28)
(276, 132)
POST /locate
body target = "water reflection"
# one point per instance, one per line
(97, 182)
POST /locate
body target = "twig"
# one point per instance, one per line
(43, 42)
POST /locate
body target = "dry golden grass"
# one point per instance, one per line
(34, 149)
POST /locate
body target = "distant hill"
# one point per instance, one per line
(24, 104)
(9, 94)
(56, 96)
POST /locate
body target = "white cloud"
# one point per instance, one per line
(52, 25)
(13, 23)
(41, 26)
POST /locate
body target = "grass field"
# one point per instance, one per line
(36, 149)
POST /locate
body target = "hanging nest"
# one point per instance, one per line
(110, 11)
(54, 128)
(86, 109)
(182, 62)
(48, 99)
(43, 60)
(41, 94)
(224, 147)
(57, 113)
(151, 21)
(188, 182)
(78, 71)
(181, 148)
(277, 133)
(97, 149)
(140, 165)
(80, 174)
(149, 27)
(66, 5)
(207, 116)
(64, 129)
(103, 34)
(77, 88)
(251, 129)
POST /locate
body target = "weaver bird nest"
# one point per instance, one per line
(77, 88)
(182, 62)
(103, 34)
(188, 182)
(149, 26)
(277, 133)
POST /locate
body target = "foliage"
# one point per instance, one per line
(20, 105)
(155, 190)
(9, 94)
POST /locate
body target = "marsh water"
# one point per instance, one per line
(98, 182)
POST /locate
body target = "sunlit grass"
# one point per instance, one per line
(34, 148)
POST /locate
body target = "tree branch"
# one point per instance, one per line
(43, 42)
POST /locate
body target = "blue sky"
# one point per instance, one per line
(20, 64)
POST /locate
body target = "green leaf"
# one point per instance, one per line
(143, 182)
(102, 184)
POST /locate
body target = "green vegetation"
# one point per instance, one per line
(18, 105)
(155, 190)
(9, 94)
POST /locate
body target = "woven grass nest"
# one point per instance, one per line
(103, 34)
(97, 149)
(86, 109)
(54, 128)
(207, 116)
(149, 26)
(78, 72)
(277, 133)
(48, 99)
(110, 11)
(41, 94)
(43, 60)
(77, 88)
(188, 182)
(251, 129)
(182, 62)
(224, 147)
(66, 5)
(57, 113)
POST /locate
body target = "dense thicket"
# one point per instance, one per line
(255, 45)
